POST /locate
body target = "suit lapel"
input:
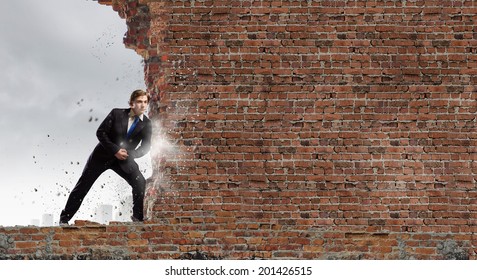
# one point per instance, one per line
(139, 127)
(124, 122)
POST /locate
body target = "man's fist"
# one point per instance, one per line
(122, 154)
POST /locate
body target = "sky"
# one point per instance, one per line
(63, 68)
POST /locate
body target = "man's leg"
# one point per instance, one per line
(136, 180)
(90, 173)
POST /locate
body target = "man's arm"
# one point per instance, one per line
(145, 146)
(103, 134)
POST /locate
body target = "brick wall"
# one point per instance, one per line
(298, 129)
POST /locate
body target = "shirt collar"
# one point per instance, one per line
(131, 115)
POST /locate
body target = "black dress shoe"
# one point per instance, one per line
(63, 223)
(134, 219)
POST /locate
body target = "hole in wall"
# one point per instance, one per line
(62, 71)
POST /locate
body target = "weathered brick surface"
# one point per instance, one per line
(301, 129)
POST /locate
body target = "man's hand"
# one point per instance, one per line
(122, 154)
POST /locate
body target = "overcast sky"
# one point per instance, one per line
(63, 68)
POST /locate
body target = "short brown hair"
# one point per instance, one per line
(138, 92)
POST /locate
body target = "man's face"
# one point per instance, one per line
(139, 105)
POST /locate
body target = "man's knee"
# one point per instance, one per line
(139, 183)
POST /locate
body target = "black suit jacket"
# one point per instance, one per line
(112, 137)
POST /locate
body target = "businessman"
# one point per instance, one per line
(124, 135)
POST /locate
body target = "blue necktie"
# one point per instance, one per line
(131, 129)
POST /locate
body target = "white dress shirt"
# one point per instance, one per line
(131, 119)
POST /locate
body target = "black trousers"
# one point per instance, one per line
(90, 173)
